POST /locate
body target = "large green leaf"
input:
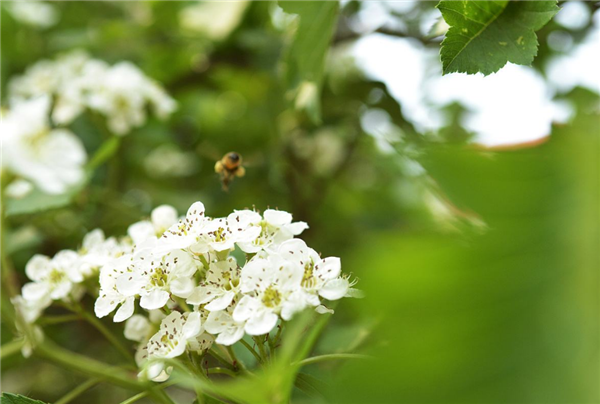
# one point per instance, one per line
(305, 59)
(8, 398)
(484, 35)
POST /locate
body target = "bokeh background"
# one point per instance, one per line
(467, 206)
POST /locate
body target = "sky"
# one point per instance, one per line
(512, 106)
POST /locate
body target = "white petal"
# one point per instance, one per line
(221, 302)
(130, 283)
(182, 287)
(230, 337)
(323, 309)
(125, 311)
(141, 231)
(163, 217)
(261, 324)
(192, 326)
(37, 267)
(334, 289)
(296, 228)
(154, 300)
(35, 290)
(136, 328)
(245, 308)
(328, 268)
(105, 305)
(277, 218)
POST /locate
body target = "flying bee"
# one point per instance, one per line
(229, 167)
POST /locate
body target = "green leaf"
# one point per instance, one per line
(38, 201)
(8, 398)
(310, 385)
(306, 56)
(484, 35)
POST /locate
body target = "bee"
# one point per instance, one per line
(229, 167)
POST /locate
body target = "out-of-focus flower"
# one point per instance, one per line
(52, 159)
(18, 189)
(122, 93)
(35, 13)
(168, 161)
(161, 219)
(215, 20)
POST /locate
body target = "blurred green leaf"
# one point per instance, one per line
(8, 398)
(38, 201)
(484, 35)
(305, 59)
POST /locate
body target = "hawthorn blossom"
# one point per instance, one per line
(221, 285)
(267, 285)
(161, 218)
(51, 277)
(109, 296)
(97, 250)
(320, 276)
(155, 277)
(222, 324)
(276, 227)
(122, 92)
(52, 159)
(175, 332)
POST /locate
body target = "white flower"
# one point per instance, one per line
(52, 159)
(184, 233)
(97, 250)
(268, 285)
(121, 95)
(320, 276)
(137, 328)
(34, 13)
(121, 92)
(161, 218)
(222, 324)
(18, 189)
(109, 296)
(220, 286)
(171, 341)
(155, 277)
(276, 227)
(30, 310)
(51, 277)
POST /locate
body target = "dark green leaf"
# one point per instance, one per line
(484, 35)
(8, 398)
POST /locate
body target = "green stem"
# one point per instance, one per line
(51, 320)
(328, 357)
(182, 304)
(10, 348)
(218, 357)
(218, 370)
(236, 362)
(88, 366)
(261, 347)
(135, 398)
(77, 391)
(252, 351)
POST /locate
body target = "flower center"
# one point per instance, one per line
(56, 276)
(307, 279)
(159, 277)
(220, 234)
(271, 297)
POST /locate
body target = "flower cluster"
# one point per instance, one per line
(190, 289)
(37, 148)
(77, 82)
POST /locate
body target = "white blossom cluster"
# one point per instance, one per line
(189, 288)
(61, 278)
(76, 82)
(37, 147)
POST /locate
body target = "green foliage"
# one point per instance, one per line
(305, 61)
(37, 201)
(485, 35)
(8, 398)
